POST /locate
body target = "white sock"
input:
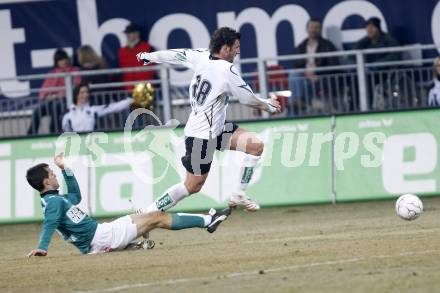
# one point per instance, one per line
(247, 170)
(207, 219)
(172, 196)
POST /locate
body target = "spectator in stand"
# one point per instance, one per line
(434, 93)
(376, 38)
(52, 102)
(379, 79)
(127, 56)
(306, 85)
(89, 60)
(82, 117)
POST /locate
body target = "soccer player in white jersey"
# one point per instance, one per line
(215, 80)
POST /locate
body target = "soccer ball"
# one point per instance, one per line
(409, 207)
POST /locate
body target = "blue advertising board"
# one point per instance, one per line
(32, 30)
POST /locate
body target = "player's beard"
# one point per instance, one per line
(438, 76)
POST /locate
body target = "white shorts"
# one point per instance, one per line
(115, 235)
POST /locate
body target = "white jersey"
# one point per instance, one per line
(83, 119)
(214, 81)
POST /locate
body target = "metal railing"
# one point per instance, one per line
(351, 86)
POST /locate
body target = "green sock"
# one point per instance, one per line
(185, 221)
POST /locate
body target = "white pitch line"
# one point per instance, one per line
(251, 273)
(343, 235)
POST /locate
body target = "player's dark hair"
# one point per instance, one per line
(223, 36)
(76, 90)
(36, 175)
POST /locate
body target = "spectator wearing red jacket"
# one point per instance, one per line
(127, 55)
(61, 64)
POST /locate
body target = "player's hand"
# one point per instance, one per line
(37, 252)
(142, 57)
(59, 160)
(274, 106)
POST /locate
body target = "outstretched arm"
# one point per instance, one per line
(73, 191)
(241, 90)
(185, 57)
(103, 110)
(52, 216)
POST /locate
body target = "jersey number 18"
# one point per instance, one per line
(201, 90)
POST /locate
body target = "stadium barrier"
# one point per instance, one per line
(354, 85)
(311, 160)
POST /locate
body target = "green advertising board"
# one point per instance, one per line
(316, 160)
(387, 154)
(120, 171)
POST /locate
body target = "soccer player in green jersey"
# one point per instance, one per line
(75, 226)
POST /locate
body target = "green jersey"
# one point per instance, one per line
(61, 214)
